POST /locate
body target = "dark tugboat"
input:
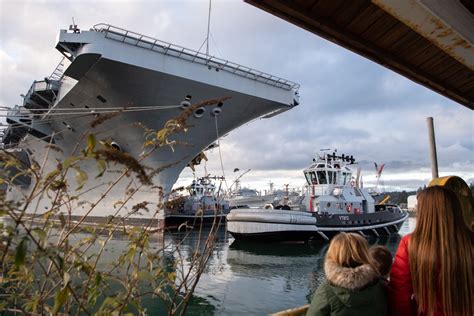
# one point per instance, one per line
(334, 202)
(204, 204)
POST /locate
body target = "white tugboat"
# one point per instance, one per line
(333, 203)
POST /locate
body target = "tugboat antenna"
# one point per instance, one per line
(73, 27)
(208, 29)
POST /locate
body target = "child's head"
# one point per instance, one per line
(349, 250)
(382, 259)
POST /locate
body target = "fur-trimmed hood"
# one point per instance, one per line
(349, 278)
(347, 291)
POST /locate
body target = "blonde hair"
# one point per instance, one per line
(349, 250)
(441, 255)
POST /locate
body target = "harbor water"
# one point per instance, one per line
(258, 279)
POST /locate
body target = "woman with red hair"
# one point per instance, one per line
(433, 271)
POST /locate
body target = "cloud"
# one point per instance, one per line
(347, 101)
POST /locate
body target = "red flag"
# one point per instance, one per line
(381, 169)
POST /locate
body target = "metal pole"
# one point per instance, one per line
(432, 140)
(208, 29)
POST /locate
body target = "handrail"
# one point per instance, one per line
(58, 72)
(300, 310)
(147, 42)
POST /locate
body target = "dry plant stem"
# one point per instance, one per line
(40, 172)
(111, 186)
(199, 264)
(146, 229)
(110, 236)
(55, 201)
(191, 267)
(210, 242)
(107, 191)
(58, 269)
(103, 246)
(130, 288)
(63, 199)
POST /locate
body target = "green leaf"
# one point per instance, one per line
(98, 279)
(62, 219)
(66, 278)
(33, 303)
(20, 253)
(91, 142)
(51, 175)
(81, 177)
(41, 233)
(101, 165)
(60, 261)
(109, 302)
(60, 299)
(69, 161)
(149, 143)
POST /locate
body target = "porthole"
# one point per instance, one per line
(216, 111)
(199, 112)
(115, 146)
(185, 104)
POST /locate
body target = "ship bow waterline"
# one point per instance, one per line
(145, 82)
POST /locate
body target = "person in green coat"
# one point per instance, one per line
(353, 285)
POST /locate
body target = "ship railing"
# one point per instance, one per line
(19, 116)
(58, 72)
(147, 42)
(18, 111)
(50, 83)
(39, 86)
(317, 190)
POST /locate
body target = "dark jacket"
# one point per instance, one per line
(349, 291)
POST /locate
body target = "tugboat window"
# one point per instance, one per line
(322, 177)
(344, 174)
(311, 178)
(330, 177)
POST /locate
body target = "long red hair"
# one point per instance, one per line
(441, 252)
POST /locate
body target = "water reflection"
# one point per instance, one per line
(257, 279)
(246, 278)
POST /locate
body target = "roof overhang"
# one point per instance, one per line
(428, 41)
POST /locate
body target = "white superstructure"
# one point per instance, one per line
(142, 80)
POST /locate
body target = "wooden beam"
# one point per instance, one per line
(319, 24)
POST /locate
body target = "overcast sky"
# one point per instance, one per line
(347, 102)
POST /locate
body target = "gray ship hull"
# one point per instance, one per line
(110, 72)
(276, 225)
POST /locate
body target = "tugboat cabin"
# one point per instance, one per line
(333, 189)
